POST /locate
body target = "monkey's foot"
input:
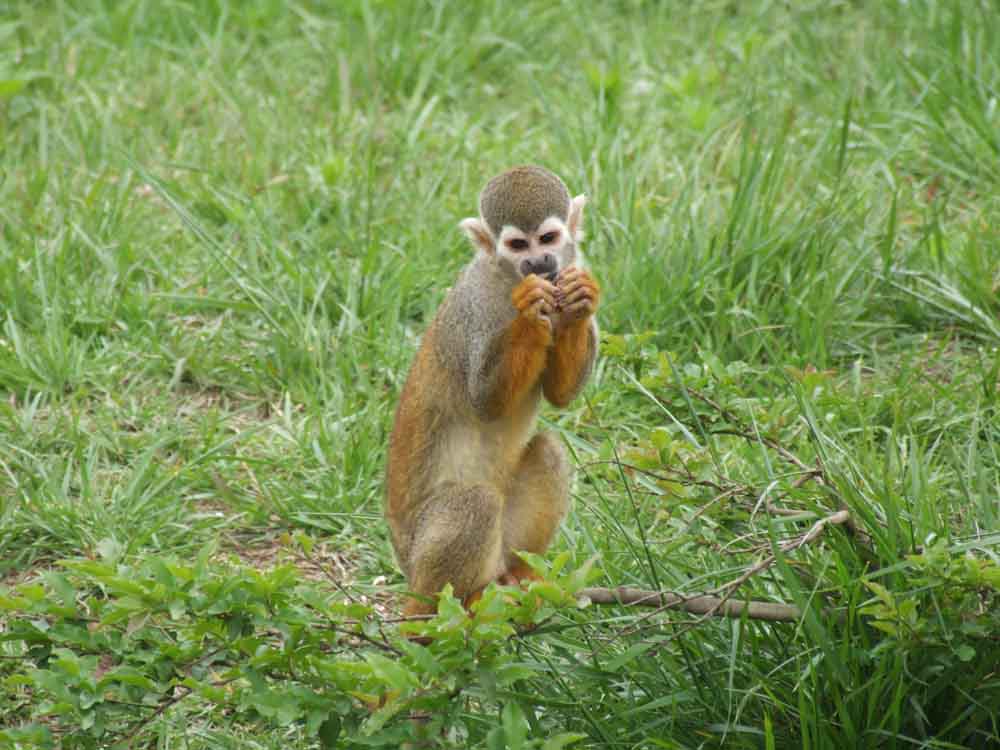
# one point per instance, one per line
(521, 574)
(469, 599)
(506, 579)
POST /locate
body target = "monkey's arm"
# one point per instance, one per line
(510, 364)
(570, 362)
(572, 357)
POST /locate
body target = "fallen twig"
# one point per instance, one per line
(180, 692)
(754, 437)
(709, 605)
(702, 604)
(817, 473)
(840, 517)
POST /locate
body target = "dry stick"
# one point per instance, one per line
(704, 604)
(782, 450)
(180, 692)
(817, 473)
(775, 510)
(681, 477)
(709, 605)
(841, 516)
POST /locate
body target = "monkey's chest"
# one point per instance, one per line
(485, 453)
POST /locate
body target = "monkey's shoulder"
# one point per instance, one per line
(479, 304)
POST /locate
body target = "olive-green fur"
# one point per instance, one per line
(523, 197)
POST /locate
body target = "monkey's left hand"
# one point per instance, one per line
(577, 295)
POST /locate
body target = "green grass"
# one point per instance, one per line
(223, 227)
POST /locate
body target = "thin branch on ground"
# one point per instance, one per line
(840, 517)
(685, 477)
(180, 693)
(712, 605)
(817, 472)
(752, 437)
(701, 604)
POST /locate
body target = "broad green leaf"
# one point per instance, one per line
(127, 676)
(32, 592)
(629, 655)
(495, 739)
(392, 673)
(515, 725)
(61, 587)
(11, 87)
(561, 740)
(329, 732)
(881, 592)
(965, 652)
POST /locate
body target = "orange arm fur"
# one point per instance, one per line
(568, 362)
(525, 349)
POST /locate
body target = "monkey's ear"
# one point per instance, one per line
(575, 223)
(479, 234)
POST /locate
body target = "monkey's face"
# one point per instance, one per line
(527, 231)
(544, 251)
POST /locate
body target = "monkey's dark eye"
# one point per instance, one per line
(517, 244)
(549, 237)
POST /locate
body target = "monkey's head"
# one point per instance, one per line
(528, 222)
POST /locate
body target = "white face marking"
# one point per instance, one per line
(553, 236)
(549, 246)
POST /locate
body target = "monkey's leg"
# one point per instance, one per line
(537, 503)
(457, 539)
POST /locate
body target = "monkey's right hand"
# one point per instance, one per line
(535, 300)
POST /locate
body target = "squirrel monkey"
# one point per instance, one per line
(468, 484)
